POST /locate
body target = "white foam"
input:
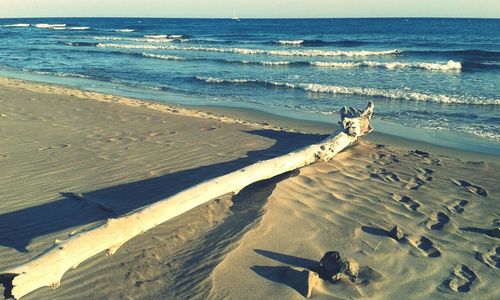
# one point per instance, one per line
(331, 53)
(139, 40)
(159, 56)
(124, 30)
(17, 25)
(324, 64)
(45, 25)
(274, 63)
(156, 36)
(481, 132)
(397, 94)
(79, 28)
(221, 80)
(247, 51)
(366, 92)
(58, 74)
(290, 42)
(127, 46)
(175, 36)
(449, 66)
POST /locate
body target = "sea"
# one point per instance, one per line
(432, 80)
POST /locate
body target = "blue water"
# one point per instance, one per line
(441, 76)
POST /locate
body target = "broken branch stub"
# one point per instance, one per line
(48, 268)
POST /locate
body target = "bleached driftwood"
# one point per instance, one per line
(48, 268)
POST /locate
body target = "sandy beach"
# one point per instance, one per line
(122, 154)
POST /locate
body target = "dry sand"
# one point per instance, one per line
(121, 154)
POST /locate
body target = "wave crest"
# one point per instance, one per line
(51, 26)
(248, 51)
(289, 42)
(127, 39)
(17, 25)
(361, 91)
(165, 57)
(449, 66)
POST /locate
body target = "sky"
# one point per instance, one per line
(250, 8)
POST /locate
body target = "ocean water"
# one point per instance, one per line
(436, 80)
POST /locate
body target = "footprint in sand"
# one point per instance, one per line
(406, 201)
(3, 155)
(490, 258)
(437, 221)
(436, 162)
(425, 174)
(424, 245)
(461, 279)
(414, 183)
(426, 157)
(60, 146)
(475, 189)
(386, 159)
(457, 206)
(384, 175)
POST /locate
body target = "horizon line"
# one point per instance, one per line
(249, 18)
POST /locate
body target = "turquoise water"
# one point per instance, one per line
(434, 79)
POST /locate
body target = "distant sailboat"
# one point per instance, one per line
(234, 17)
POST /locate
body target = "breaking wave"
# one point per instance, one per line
(124, 30)
(320, 43)
(140, 40)
(165, 57)
(290, 42)
(70, 28)
(58, 74)
(449, 66)
(248, 51)
(51, 26)
(361, 91)
(17, 25)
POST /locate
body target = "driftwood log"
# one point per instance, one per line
(48, 268)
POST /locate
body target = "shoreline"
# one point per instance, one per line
(441, 138)
(256, 117)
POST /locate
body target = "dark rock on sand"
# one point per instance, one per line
(335, 267)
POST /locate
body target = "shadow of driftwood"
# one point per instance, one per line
(18, 228)
(246, 211)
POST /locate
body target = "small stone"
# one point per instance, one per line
(397, 233)
(302, 280)
(336, 267)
